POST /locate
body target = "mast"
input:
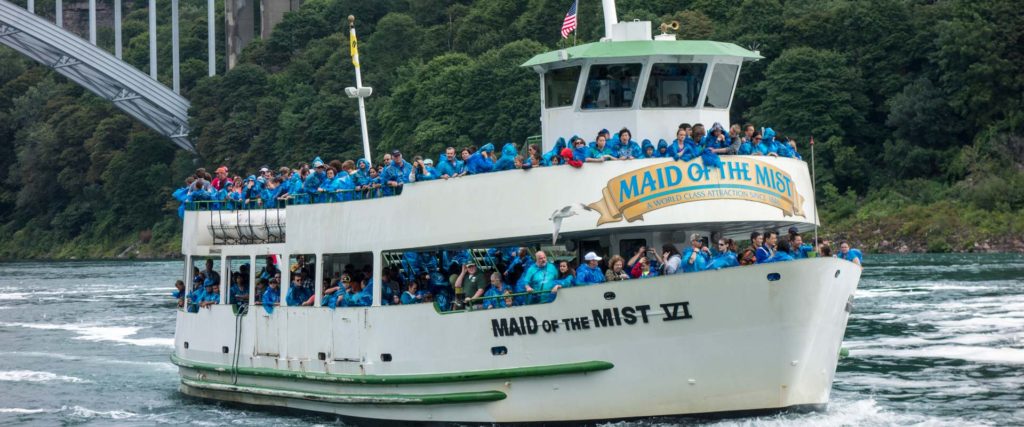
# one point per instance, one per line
(610, 17)
(359, 91)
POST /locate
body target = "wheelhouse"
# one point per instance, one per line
(631, 80)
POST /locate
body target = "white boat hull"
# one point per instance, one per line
(740, 342)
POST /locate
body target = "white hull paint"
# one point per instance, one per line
(749, 344)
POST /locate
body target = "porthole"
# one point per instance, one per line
(837, 274)
(774, 276)
(321, 355)
(224, 349)
(186, 345)
(609, 296)
(499, 351)
(385, 357)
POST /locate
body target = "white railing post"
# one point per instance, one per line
(152, 39)
(175, 71)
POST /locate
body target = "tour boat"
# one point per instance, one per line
(756, 338)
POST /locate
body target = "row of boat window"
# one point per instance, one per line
(473, 279)
(337, 181)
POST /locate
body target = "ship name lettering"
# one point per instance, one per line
(672, 311)
(514, 326)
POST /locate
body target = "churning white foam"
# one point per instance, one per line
(83, 412)
(37, 377)
(20, 411)
(119, 334)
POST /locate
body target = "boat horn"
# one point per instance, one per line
(665, 26)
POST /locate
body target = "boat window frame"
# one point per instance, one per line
(683, 60)
(710, 82)
(638, 92)
(576, 89)
(322, 271)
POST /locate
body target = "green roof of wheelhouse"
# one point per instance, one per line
(613, 49)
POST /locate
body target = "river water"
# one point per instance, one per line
(933, 340)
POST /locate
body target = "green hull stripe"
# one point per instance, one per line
(451, 377)
(371, 399)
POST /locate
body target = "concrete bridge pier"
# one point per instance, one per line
(240, 22)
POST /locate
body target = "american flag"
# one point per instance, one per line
(569, 24)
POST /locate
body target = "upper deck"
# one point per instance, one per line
(513, 207)
(647, 85)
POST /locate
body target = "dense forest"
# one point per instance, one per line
(917, 108)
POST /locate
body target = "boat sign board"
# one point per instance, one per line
(635, 193)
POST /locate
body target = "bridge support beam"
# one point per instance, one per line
(240, 28)
(272, 13)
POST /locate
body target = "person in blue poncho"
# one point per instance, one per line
(238, 294)
(298, 293)
(749, 146)
(312, 182)
(179, 293)
(647, 150)
(627, 148)
(768, 146)
(850, 254)
(553, 155)
(696, 256)
(689, 149)
(272, 296)
(448, 166)
(797, 248)
(424, 169)
(566, 279)
(541, 275)
(212, 294)
(781, 253)
(181, 195)
(332, 290)
(411, 295)
(600, 151)
(767, 249)
(480, 161)
(508, 158)
(328, 190)
(786, 147)
(725, 257)
(396, 175)
(719, 141)
(496, 293)
(589, 272)
(663, 149)
(345, 182)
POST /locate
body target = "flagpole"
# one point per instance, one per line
(814, 191)
(354, 50)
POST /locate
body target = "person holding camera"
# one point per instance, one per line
(696, 256)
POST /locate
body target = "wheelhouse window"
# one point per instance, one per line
(611, 86)
(723, 80)
(674, 85)
(560, 86)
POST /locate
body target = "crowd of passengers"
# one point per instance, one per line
(348, 180)
(454, 280)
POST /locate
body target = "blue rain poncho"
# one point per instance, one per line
(768, 144)
(801, 252)
(586, 275)
(629, 150)
(710, 159)
(237, 295)
(546, 158)
(298, 295)
(362, 175)
(663, 150)
(746, 148)
(493, 296)
(699, 264)
(537, 278)
(779, 256)
(851, 255)
(763, 253)
(270, 297)
(690, 150)
(723, 260)
(397, 173)
(508, 158)
(450, 168)
(408, 298)
(345, 184)
(566, 282)
(647, 150)
(478, 163)
(211, 295)
(428, 173)
(594, 152)
(181, 195)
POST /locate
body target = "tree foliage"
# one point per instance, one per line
(912, 103)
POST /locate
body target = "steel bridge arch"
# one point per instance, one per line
(132, 91)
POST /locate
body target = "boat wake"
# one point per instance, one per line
(118, 334)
